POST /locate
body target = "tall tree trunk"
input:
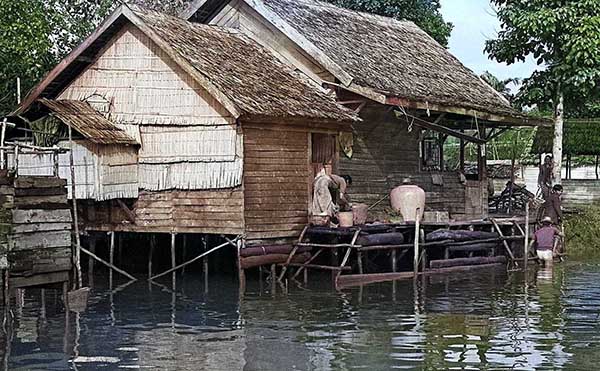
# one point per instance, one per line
(557, 147)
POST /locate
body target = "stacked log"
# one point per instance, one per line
(39, 235)
(255, 256)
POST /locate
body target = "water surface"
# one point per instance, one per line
(486, 320)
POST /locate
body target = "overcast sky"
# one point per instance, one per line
(474, 22)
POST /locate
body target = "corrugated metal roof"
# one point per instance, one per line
(82, 117)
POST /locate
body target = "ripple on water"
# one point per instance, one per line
(470, 321)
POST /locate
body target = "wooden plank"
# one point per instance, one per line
(41, 216)
(41, 227)
(39, 240)
(30, 201)
(53, 191)
(24, 182)
(40, 279)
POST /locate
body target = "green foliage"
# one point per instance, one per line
(425, 13)
(36, 34)
(564, 38)
(583, 234)
(501, 86)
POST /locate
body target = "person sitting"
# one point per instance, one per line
(545, 239)
(325, 204)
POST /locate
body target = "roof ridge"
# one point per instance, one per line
(377, 17)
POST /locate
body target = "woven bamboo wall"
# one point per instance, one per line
(385, 153)
(237, 14)
(189, 142)
(276, 182)
(102, 172)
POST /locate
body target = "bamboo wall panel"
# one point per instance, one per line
(102, 172)
(385, 152)
(237, 14)
(144, 86)
(276, 181)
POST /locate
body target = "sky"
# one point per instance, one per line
(475, 22)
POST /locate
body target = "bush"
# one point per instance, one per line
(583, 233)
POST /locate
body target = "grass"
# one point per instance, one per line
(583, 233)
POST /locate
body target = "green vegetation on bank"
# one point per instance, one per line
(583, 233)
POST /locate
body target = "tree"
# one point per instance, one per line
(564, 38)
(424, 13)
(501, 86)
(36, 34)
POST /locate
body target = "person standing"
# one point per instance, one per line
(545, 240)
(546, 176)
(553, 204)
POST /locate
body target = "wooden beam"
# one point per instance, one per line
(128, 212)
(442, 129)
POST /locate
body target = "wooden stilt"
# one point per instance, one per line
(394, 261)
(92, 248)
(205, 263)
(120, 248)
(183, 250)
(273, 278)
(305, 271)
(241, 272)
(416, 242)
(526, 242)
(111, 257)
(78, 282)
(360, 262)
(173, 259)
(152, 246)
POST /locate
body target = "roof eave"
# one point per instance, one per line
(500, 118)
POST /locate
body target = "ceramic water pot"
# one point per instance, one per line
(406, 199)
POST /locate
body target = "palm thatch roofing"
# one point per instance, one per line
(82, 117)
(393, 57)
(243, 76)
(581, 137)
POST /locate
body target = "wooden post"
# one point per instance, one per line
(111, 257)
(91, 260)
(273, 279)
(526, 241)
(183, 250)
(205, 263)
(3, 136)
(16, 160)
(416, 245)
(597, 175)
(241, 272)
(150, 254)
(173, 262)
(394, 261)
(75, 216)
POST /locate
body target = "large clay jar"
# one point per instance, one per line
(406, 199)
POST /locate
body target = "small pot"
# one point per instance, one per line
(360, 212)
(346, 218)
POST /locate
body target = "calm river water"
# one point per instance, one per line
(488, 320)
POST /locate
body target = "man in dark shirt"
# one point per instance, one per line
(545, 239)
(552, 205)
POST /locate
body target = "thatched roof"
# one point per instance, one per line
(580, 137)
(243, 76)
(393, 57)
(251, 77)
(83, 118)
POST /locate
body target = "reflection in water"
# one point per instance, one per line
(538, 319)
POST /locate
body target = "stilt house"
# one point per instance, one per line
(229, 109)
